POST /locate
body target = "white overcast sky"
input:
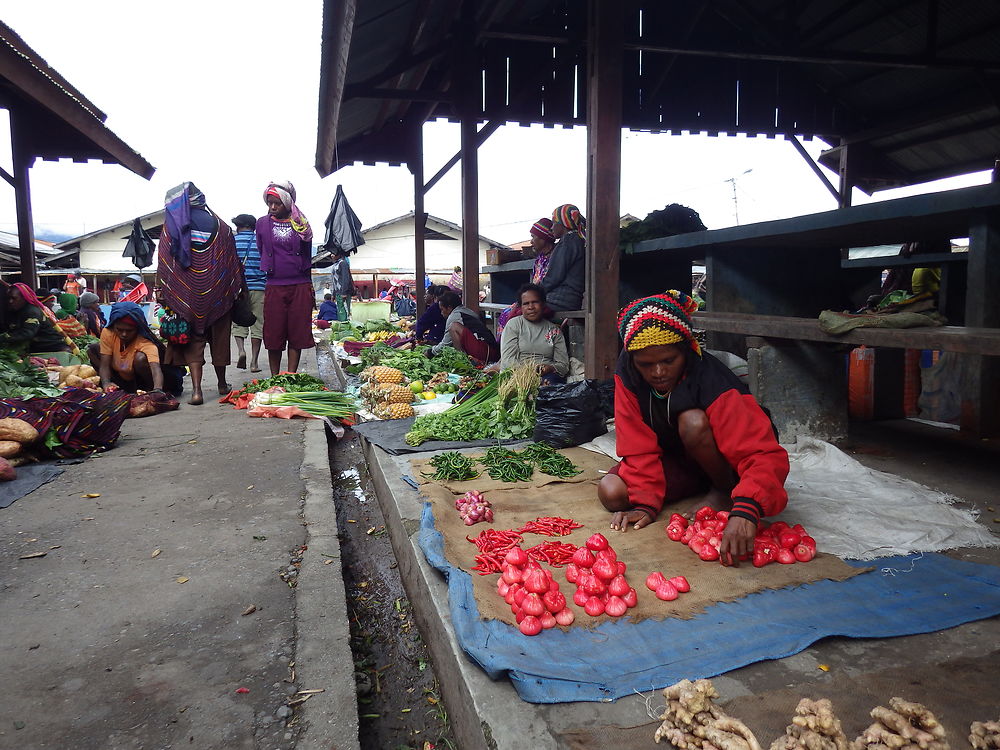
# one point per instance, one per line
(224, 93)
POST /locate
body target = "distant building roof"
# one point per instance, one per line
(126, 226)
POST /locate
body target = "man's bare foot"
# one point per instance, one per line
(196, 399)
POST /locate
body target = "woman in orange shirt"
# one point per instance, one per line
(128, 355)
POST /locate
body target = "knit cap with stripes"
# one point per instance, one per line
(658, 320)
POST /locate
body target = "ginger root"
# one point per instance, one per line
(814, 727)
(903, 726)
(692, 720)
(985, 735)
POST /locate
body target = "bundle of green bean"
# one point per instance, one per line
(506, 465)
(550, 461)
(452, 466)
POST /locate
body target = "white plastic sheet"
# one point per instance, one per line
(860, 513)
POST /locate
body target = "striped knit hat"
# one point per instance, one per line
(658, 320)
(543, 228)
(570, 217)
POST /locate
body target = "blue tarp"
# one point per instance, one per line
(902, 596)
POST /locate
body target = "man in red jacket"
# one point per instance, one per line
(686, 425)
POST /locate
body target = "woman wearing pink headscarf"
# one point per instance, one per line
(285, 242)
(31, 326)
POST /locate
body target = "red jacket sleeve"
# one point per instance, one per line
(641, 468)
(745, 437)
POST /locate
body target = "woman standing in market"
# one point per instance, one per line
(686, 425)
(565, 277)
(31, 326)
(529, 337)
(199, 278)
(285, 241)
(542, 244)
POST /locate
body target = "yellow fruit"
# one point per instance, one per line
(397, 394)
(393, 411)
(428, 395)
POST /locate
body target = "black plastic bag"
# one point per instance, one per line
(140, 247)
(569, 414)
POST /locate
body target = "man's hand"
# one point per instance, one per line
(737, 540)
(429, 354)
(621, 520)
(110, 388)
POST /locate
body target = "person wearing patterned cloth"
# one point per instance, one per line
(685, 426)
(564, 278)
(199, 277)
(246, 248)
(285, 241)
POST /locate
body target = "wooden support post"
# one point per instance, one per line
(21, 148)
(419, 221)
(468, 97)
(980, 392)
(604, 138)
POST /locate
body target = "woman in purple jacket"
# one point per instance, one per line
(285, 242)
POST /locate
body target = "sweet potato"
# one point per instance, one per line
(9, 448)
(17, 429)
(65, 372)
(6, 471)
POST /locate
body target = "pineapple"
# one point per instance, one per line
(382, 374)
(393, 411)
(396, 394)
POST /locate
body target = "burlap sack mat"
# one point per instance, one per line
(643, 551)
(592, 465)
(971, 695)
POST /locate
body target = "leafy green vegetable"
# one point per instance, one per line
(291, 382)
(414, 364)
(21, 379)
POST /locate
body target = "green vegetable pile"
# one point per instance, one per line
(414, 364)
(506, 465)
(291, 382)
(453, 466)
(504, 408)
(21, 379)
(82, 342)
(549, 460)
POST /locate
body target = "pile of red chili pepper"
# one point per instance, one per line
(550, 526)
(493, 544)
(555, 554)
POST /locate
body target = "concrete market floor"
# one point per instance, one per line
(135, 630)
(487, 714)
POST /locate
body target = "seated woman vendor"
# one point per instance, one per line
(464, 330)
(686, 426)
(31, 326)
(531, 337)
(128, 355)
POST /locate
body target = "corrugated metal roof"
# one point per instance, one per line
(912, 87)
(62, 121)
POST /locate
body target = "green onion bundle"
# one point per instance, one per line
(332, 404)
